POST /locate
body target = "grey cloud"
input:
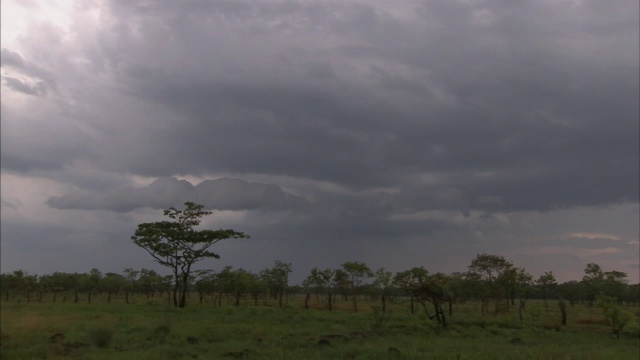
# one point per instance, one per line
(11, 58)
(341, 105)
(417, 123)
(220, 194)
(37, 89)
(29, 78)
(586, 243)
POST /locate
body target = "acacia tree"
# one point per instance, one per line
(493, 272)
(382, 283)
(425, 289)
(546, 281)
(593, 280)
(177, 245)
(357, 274)
(323, 282)
(277, 279)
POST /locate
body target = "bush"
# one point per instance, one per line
(632, 329)
(101, 337)
(611, 311)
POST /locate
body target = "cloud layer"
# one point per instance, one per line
(365, 125)
(163, 193)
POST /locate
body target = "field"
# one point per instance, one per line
(150, 329)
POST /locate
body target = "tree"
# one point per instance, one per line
(205, 283)
(407, 280)
(572, 291)
(615, 284)
(149, 282)
(91, 283)
(521, 286)
(235, 282)
(593, 280)
(177, 245)
(425, 289)
(277, 279)
(132, 282)
(494, 272)
(323, 282)
(113, 283)
(382, 283)
(357, 273)
(546, 281)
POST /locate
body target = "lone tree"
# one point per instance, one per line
(177, 245)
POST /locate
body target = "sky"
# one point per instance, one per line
(396, 133)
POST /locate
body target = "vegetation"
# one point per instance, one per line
(345, 313)
(177, 245)
(155, 329)
(240, 314)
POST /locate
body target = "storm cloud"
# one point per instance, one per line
(379, 127)
(220, 194)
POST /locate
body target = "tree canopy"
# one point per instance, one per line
(178, 245)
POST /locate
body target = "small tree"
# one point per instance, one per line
(277, 279)
(323, 282)
(177, 245)
(593, 280)
(382, 283)
(357, 274)
(615, 285)
(425, 289)
(494, 272)
(546, 281)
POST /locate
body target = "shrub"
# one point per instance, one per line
(611, 311)
(101, 337)
(632, 329)
(380, 318)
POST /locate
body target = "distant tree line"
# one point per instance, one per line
(491, 280)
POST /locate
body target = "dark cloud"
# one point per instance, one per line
(220, 194)
(29, 78)
(36, 89)
(527, 109)
(418, 123)
(10, 58)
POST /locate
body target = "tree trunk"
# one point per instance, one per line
(175, 293)
(563, 310)
(383, 298)
(183, 297)
(306, 301)
(354, 297)
(442, 319)
(330, 297)
(521, 308)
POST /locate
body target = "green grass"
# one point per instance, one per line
(156, 331)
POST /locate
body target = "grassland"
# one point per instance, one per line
(154, 330)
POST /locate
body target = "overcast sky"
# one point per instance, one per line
(397, 133)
